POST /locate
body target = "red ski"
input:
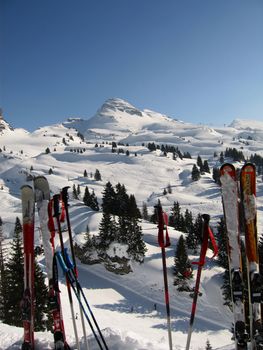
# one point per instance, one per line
(27, 303)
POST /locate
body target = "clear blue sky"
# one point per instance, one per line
(197, 60)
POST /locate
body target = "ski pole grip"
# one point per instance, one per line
(64, 193)
(56, 198)
(62, 262)
(206, 218)
(68, 260)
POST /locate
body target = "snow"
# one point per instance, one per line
(124, 305)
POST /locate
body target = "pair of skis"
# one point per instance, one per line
(239, 204)
(40, 194)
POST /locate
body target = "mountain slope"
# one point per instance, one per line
(124, 305)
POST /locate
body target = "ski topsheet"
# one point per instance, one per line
(248, 201)
(230, 199)
(27, 303)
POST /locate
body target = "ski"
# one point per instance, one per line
(249, 211)
(42, 197)
(27, 303)
(230, 199)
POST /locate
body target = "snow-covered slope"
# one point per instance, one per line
(120, 121)
(124, 305)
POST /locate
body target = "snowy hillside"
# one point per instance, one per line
(124, 305)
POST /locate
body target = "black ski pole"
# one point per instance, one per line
(162, 226)
(64, 194)
(56, 199)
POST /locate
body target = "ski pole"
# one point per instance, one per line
(56, 199)
(66, 271)
(162, 225)
(200, 264)
(64, 194)
(70, 266)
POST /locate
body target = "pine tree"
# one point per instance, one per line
(94, 202)
(199, 162)
(78, 189)
(195, 173)
(87, 197)
(222, 158)
(222, 243)
(136, 245)
(145, 214)
(109, 199)
(182, 267)
(74, 192)
(15, 277)
(208, 345)
(42, 316)
(3, 278)
(216, 175)
(85, 174)
(121, 205)
(174, 217)
(107, 232)
(97, 175)
(133, 210)
(188, 221)
(206, 167)
(201, 165)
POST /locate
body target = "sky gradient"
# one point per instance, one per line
(197, 60)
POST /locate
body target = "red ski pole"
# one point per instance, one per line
(163, 243)
(206, 234)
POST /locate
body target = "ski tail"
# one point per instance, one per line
(27, 303)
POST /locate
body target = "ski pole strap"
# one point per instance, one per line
(51, 225)
(62, 214)
(62, 262)
(162, 226)
(58, 210)
(213, 241)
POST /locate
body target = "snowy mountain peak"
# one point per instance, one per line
(246, 124)
(115, 105)
(3, 123)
